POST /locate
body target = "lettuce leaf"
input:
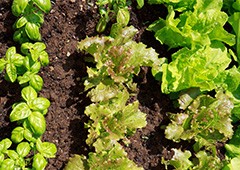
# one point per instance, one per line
(201, 122)
(180, 160)
(113, 157)
(234, 20)
(118, 58)
(197, 27)
(114, 119)
(178, 5)
(195, 68)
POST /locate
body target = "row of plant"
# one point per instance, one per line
(202, 76)
(117, 59)
(25, 149)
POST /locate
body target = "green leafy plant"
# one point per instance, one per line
(12, 62)
(201, 120)
(202, 63)
(25, 68)
(17, 159)
(198, 26)
(31, 111)
(31, 17)
(112, 118)
(113, 9)
(30, 151)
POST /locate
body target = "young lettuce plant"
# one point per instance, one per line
(200, 122)
(31, 17)
(118, 58)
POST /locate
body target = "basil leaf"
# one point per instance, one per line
(20, 111)
(11, 72)
(140, 3)
(29, 94)
(25, 48)
(28, 135)
(2, 64)
(123, 16)
(37, 123)
(40, 104)
(23, 149)
(36, 82)
(12, 154)
(10, 53)
(44, 58)
(17, 134)
(38, 46)
(17, 60)
(20, 22)
(5, 144)
(32, 31)
(25, 78)
(44, 5)
(47, 149)
(7, 164)
(39, 162)
(36, 67)
(18, 7)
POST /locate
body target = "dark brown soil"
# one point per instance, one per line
(68, 22)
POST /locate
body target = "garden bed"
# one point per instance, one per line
(66, 24)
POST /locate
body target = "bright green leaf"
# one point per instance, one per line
(29, 94)
(12, 154)
(7, 164)
(32, 31)
(18, 7)
(46, 149)
(23, 149)
(233, 165)
(37, 123)
(5, 144)
(39, 162)
(44, 5)
(36, 82)
(44, 59)
(19, 112)
(3, 62)
(40, 104)
(234, 20)
(11, 71)
(17, 134)
(123, 16)
(20, 22)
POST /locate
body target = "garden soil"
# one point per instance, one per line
(69, 22)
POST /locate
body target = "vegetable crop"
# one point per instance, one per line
(31, 17)
(118, 58)
(113, 10)
(201, 65)
(30, 152)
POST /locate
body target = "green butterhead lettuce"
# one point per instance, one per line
(195, 68)
(196, 27)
